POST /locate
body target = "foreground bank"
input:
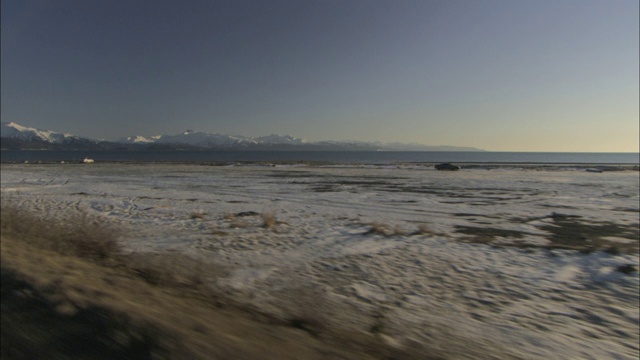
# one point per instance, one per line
(60, 306)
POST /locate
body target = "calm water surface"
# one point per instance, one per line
(351, 157)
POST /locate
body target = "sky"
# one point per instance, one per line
(544, 75)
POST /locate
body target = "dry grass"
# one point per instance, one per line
(173, 270)
(269, 219)
(388, 230)
(308, 318)
(177, 296)
(198, 215)
(246, 219)
(378, 228)
(236, 222)
(397, 230)
(384, 229)
(424, 229)
(80, 234)
(216, 231)
(91, 238)
(58, 306)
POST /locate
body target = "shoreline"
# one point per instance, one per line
(329, 158)
(311, 164)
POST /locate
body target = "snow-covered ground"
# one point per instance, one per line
(474, 263)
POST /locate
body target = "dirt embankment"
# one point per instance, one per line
(59, 306)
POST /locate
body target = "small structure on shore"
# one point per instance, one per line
(88, 161)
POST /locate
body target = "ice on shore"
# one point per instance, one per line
(476, 257)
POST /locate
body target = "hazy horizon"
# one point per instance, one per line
(501, 76)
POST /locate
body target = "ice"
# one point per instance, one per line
(488, 273)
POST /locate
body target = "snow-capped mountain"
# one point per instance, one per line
(280, 139)
(24, 133)
(17, 136)
(204, 139)
(138, 139)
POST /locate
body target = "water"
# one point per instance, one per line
(351, 157)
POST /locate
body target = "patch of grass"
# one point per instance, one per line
(308, 323)
(378, 325)
(33, 329)
(269, 219)
(305, 308)
(487, 234)
(216, 231)
(377, 228)
(384, 229)
(198, 215)
(324, 188)
(570, 232)
(172, 270)
(80, 234)
(424, 229)
(397, 230)
(90, 238)
(236, 222)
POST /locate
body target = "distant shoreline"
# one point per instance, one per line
(463, 166)
(385, 158)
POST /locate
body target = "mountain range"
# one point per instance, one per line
(16, 136)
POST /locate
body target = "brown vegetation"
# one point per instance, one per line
(69, 291)
(198, 215)
(269, 219)
(80, 234)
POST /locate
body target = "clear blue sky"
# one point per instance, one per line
(548, 75)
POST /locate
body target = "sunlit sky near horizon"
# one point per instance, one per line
(548, 75)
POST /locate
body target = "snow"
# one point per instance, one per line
(12, 129)
(199, 138)
(137, 139)
(190, 137)
(206, 139)
(463, 295)
(279, 139)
